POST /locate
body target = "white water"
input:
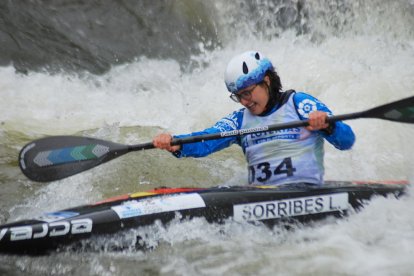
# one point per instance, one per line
(349, 73)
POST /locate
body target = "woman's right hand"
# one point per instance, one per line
(163, 141)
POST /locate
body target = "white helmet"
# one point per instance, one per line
(246, 69)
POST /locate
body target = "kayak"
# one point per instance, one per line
(269, 205)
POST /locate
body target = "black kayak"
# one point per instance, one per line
(257, 204)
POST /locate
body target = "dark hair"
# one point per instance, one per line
(275, 90)
(275, 83)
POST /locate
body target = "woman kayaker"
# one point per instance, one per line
(274, 157)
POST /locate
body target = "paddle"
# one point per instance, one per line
(57, 157)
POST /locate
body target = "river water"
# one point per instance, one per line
(124, 71)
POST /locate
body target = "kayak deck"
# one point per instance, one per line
(264, 204)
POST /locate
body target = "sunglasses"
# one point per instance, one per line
(245, 95)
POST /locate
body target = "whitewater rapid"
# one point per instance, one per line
(366, 63)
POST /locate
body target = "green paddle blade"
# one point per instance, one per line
(57, 157)
(400, 111)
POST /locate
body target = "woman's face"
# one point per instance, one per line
(256, 104)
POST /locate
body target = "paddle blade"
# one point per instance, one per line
(57, 157)
(400, 111)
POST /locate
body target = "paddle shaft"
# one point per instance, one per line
(241, 132)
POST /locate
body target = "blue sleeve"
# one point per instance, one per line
(342, 136)
(201, 149)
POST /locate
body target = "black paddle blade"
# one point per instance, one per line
(57, 157)
(400, 111)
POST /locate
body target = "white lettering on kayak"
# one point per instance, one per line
(156, 205)
(20, 233)
(59, 228)
(290, 207)
(54, 229)
(80, 226)
(41, 234)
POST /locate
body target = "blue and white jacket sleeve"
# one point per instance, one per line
(201, 149)
(342, 136)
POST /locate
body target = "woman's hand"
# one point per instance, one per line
(317, 121)
(163, 141)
